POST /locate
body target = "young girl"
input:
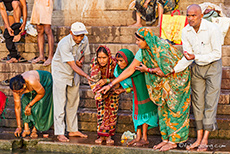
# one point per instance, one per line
(107, 105)
(144, 110)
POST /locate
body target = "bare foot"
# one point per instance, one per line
(77, 133)
(25, 133)
(141, 143)
(109, 140)
(133, 141)
(168, 146)
(194, 145)
(100, 140)
(12, 60)
(62, 138)
(17, 38)
(136, 25)
(47, 62)
(34, 134)
(158, 146)
(203, 146)
(45, 135)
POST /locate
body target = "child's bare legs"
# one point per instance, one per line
(34, 133)
(26, 130)
(198, 140)
(138, 23)
(50, 37)
(41, 41)
(144, 139)
(137, 139)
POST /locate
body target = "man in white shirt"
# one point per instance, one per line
(66, 64)
(202, 47)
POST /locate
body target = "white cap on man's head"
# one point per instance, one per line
(78, 28)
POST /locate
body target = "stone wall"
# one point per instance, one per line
(100, 12)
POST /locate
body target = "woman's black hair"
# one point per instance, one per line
(138, 36)
(118, 55)
(17, 82)
(102, 49)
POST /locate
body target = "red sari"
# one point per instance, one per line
(107, 107)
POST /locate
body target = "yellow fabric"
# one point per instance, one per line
(171, 27)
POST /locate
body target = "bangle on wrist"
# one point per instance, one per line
(19, 127)
(110, 85)
(107, 80)
(148, 70)
(29, 106)
(87, 77)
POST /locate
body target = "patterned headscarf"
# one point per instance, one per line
(109, 67)
(164, 55)
(98, 72)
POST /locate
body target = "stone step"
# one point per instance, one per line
(106, 34)
(30, 50)
(87, 145)
(100, 12)
(87, 98)
(10, 70)
(88, 122)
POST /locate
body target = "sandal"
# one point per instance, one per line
(38, 61)
(12, 60)
(21, 59)
(5, 59)
(30, 61)
(5, 82)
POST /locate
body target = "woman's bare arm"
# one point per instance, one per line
(17, 109)
(125, 74)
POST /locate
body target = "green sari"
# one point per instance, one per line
(171, 93)
(144, 110)
(42, 111)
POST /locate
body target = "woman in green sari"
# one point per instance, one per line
(144, 110)
(36, 104)
(170, 91)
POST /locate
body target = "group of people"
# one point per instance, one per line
(12, 11)
(158, 76)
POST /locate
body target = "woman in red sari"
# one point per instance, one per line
(107, 105)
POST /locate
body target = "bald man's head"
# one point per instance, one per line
(194, 16)
(195, 7)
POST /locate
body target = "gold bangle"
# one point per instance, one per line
(19, 127)
(29, 106)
